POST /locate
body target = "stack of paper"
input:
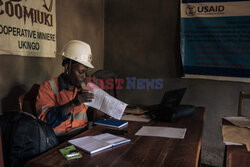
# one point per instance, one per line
(94, 144)
(243, 122)
(135, 110)
(235, 135)
(138, 118)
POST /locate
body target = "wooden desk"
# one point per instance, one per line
(235, 156)
(141, 151)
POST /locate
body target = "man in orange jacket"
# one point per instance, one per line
(60, 101)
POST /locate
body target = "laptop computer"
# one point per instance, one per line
(173, 97)
(170, 109)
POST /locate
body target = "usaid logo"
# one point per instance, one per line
(190, 10)
(211, 9)
(204, 10)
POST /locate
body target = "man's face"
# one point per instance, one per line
(77, 74)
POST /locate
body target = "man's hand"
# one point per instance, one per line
(83, 96)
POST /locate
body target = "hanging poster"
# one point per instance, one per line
(28, 27)
(215, 38)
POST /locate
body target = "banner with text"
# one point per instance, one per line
(215, 37)
(28, 27)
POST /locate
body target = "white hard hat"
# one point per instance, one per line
(78, 51)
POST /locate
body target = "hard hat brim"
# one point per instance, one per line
(87, 64)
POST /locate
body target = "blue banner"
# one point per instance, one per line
(215, 40)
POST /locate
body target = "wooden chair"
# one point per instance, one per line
(242, 96)
(27, 101)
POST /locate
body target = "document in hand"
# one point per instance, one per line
(94, 144)
(178, 133)
(112, 123)
(106, 103)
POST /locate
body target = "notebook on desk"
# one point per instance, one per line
(97, 143)
(112, 123)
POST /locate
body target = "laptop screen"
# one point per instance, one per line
(173, 97)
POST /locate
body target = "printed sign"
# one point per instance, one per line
(215, 37)
(28, 27)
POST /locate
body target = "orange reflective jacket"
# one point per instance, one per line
(52, 95)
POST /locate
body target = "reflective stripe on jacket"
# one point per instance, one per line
(49, 108)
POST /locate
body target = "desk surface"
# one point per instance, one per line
(236, 155)
(141, 151)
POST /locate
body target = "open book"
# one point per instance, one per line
(94, 144)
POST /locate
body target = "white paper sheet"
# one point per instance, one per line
(231, 143)
(106, 103)
(178, 133)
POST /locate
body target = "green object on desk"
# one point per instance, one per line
(70, 152)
